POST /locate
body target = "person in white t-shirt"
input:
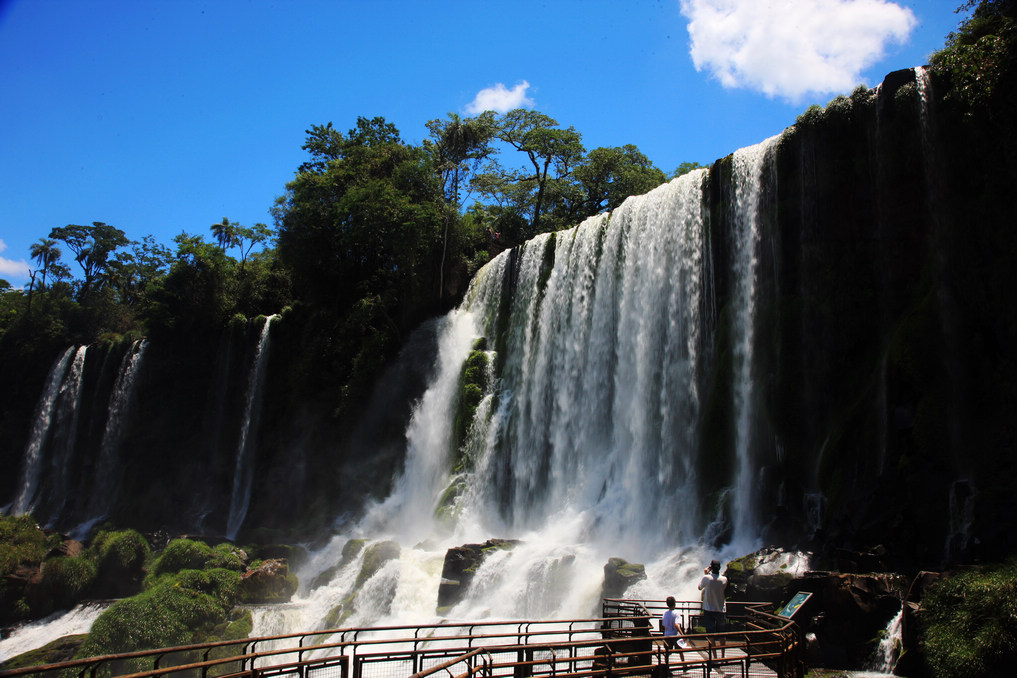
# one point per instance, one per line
(713, 586)
(671, 627)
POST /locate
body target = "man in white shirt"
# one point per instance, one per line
(714, 608)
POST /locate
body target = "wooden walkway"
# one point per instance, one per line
(695, 660)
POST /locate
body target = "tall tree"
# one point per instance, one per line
(609, 175)
(92, 247)
(552, 152)
(225, 233)
(458, 146)
(46, 253)
(248, 237)
(359, 215)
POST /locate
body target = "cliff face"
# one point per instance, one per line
(883, 342)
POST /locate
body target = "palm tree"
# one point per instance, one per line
(46, 253)
(226, 233)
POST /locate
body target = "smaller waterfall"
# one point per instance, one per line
(749, 166)
(40, 430)
(889, 648)
(65, 438)
(243, 473)
(410, 509)
(104, 484)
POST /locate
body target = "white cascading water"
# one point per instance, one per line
(36, 634)
(40, 430)
(65, 434)
(749, 165)
(243, 473)
(584, 448)
(105, 482)
(888, 651)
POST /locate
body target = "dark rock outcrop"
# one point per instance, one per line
(461, 563)
(270, 582)
(619, 575)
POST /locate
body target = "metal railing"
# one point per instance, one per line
(622, 642)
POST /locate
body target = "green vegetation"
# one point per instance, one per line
(372, 235)
(180, 609)
(187, 554)
(968, 622)
(980, 56)
(23, 542)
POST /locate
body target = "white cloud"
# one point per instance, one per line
(500, 99)
(12, 269)
(791, 48)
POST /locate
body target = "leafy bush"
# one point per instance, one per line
(66, 581)
(980, 54)
(120, 558)
(968, 623)
(186, 554)
(120, 551)
(21, 541)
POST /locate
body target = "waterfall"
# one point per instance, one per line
(586, 444)
(243, 473)
(749, 166)
(65, 435)
(25, 499)
(107, 469)
(888, 651)
(53, 438)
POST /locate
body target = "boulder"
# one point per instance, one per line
(619, 575)
(375, 558)
(270, 582)
(461, 563)
(765, 574)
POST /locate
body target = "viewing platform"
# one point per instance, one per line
(624, 641)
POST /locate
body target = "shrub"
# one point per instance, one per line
(177, 610)
(181, 554)
(123, 551)
(967, 622)
(66, 581)
(21, 541)
(120, 558)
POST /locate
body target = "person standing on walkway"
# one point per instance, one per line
(713, 586)
(671, 627)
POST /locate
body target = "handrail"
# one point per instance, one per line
(512, 646)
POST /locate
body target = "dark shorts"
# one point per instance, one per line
(714, 622)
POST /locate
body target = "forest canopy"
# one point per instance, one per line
(372, 236)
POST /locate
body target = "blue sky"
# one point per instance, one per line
(164, 116)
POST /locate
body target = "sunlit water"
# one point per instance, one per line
(36, 634)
